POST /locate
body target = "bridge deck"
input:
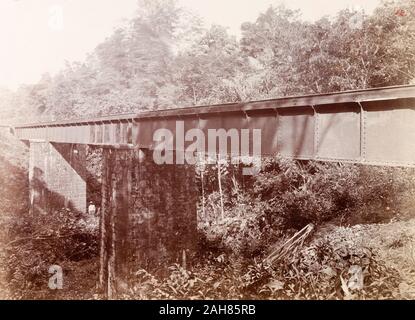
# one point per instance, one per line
(374, 126)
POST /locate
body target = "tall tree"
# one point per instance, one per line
(206, 66)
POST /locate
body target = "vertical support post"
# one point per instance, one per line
(116, 191)
(362, 132)
(103, 223)
(316, 133)
(148, 216)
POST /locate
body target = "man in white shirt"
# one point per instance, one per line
(92, 209)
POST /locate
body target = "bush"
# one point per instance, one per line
(321, 270)
(37, 242)
(315, 271)
(287, 195)
(313, 192)
(243, 230)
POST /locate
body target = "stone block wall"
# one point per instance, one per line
(148, 215)
(57, 176)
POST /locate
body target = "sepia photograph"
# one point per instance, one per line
(233, 151)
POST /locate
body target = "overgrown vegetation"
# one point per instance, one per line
(290, 194)
(259, 214)
(315, 272)
(165, 58)
(30, 244)
(287, 196)
(42, 241)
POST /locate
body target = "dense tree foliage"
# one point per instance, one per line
(165, 58)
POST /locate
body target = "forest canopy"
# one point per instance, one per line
(166, 58)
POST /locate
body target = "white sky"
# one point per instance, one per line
(38, 36)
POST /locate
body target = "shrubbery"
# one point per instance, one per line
(317, 271)
(41, 241)
(288, 194)
(258, 214)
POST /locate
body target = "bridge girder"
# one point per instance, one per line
(375, 126)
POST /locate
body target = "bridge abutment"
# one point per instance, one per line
(57, 176)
